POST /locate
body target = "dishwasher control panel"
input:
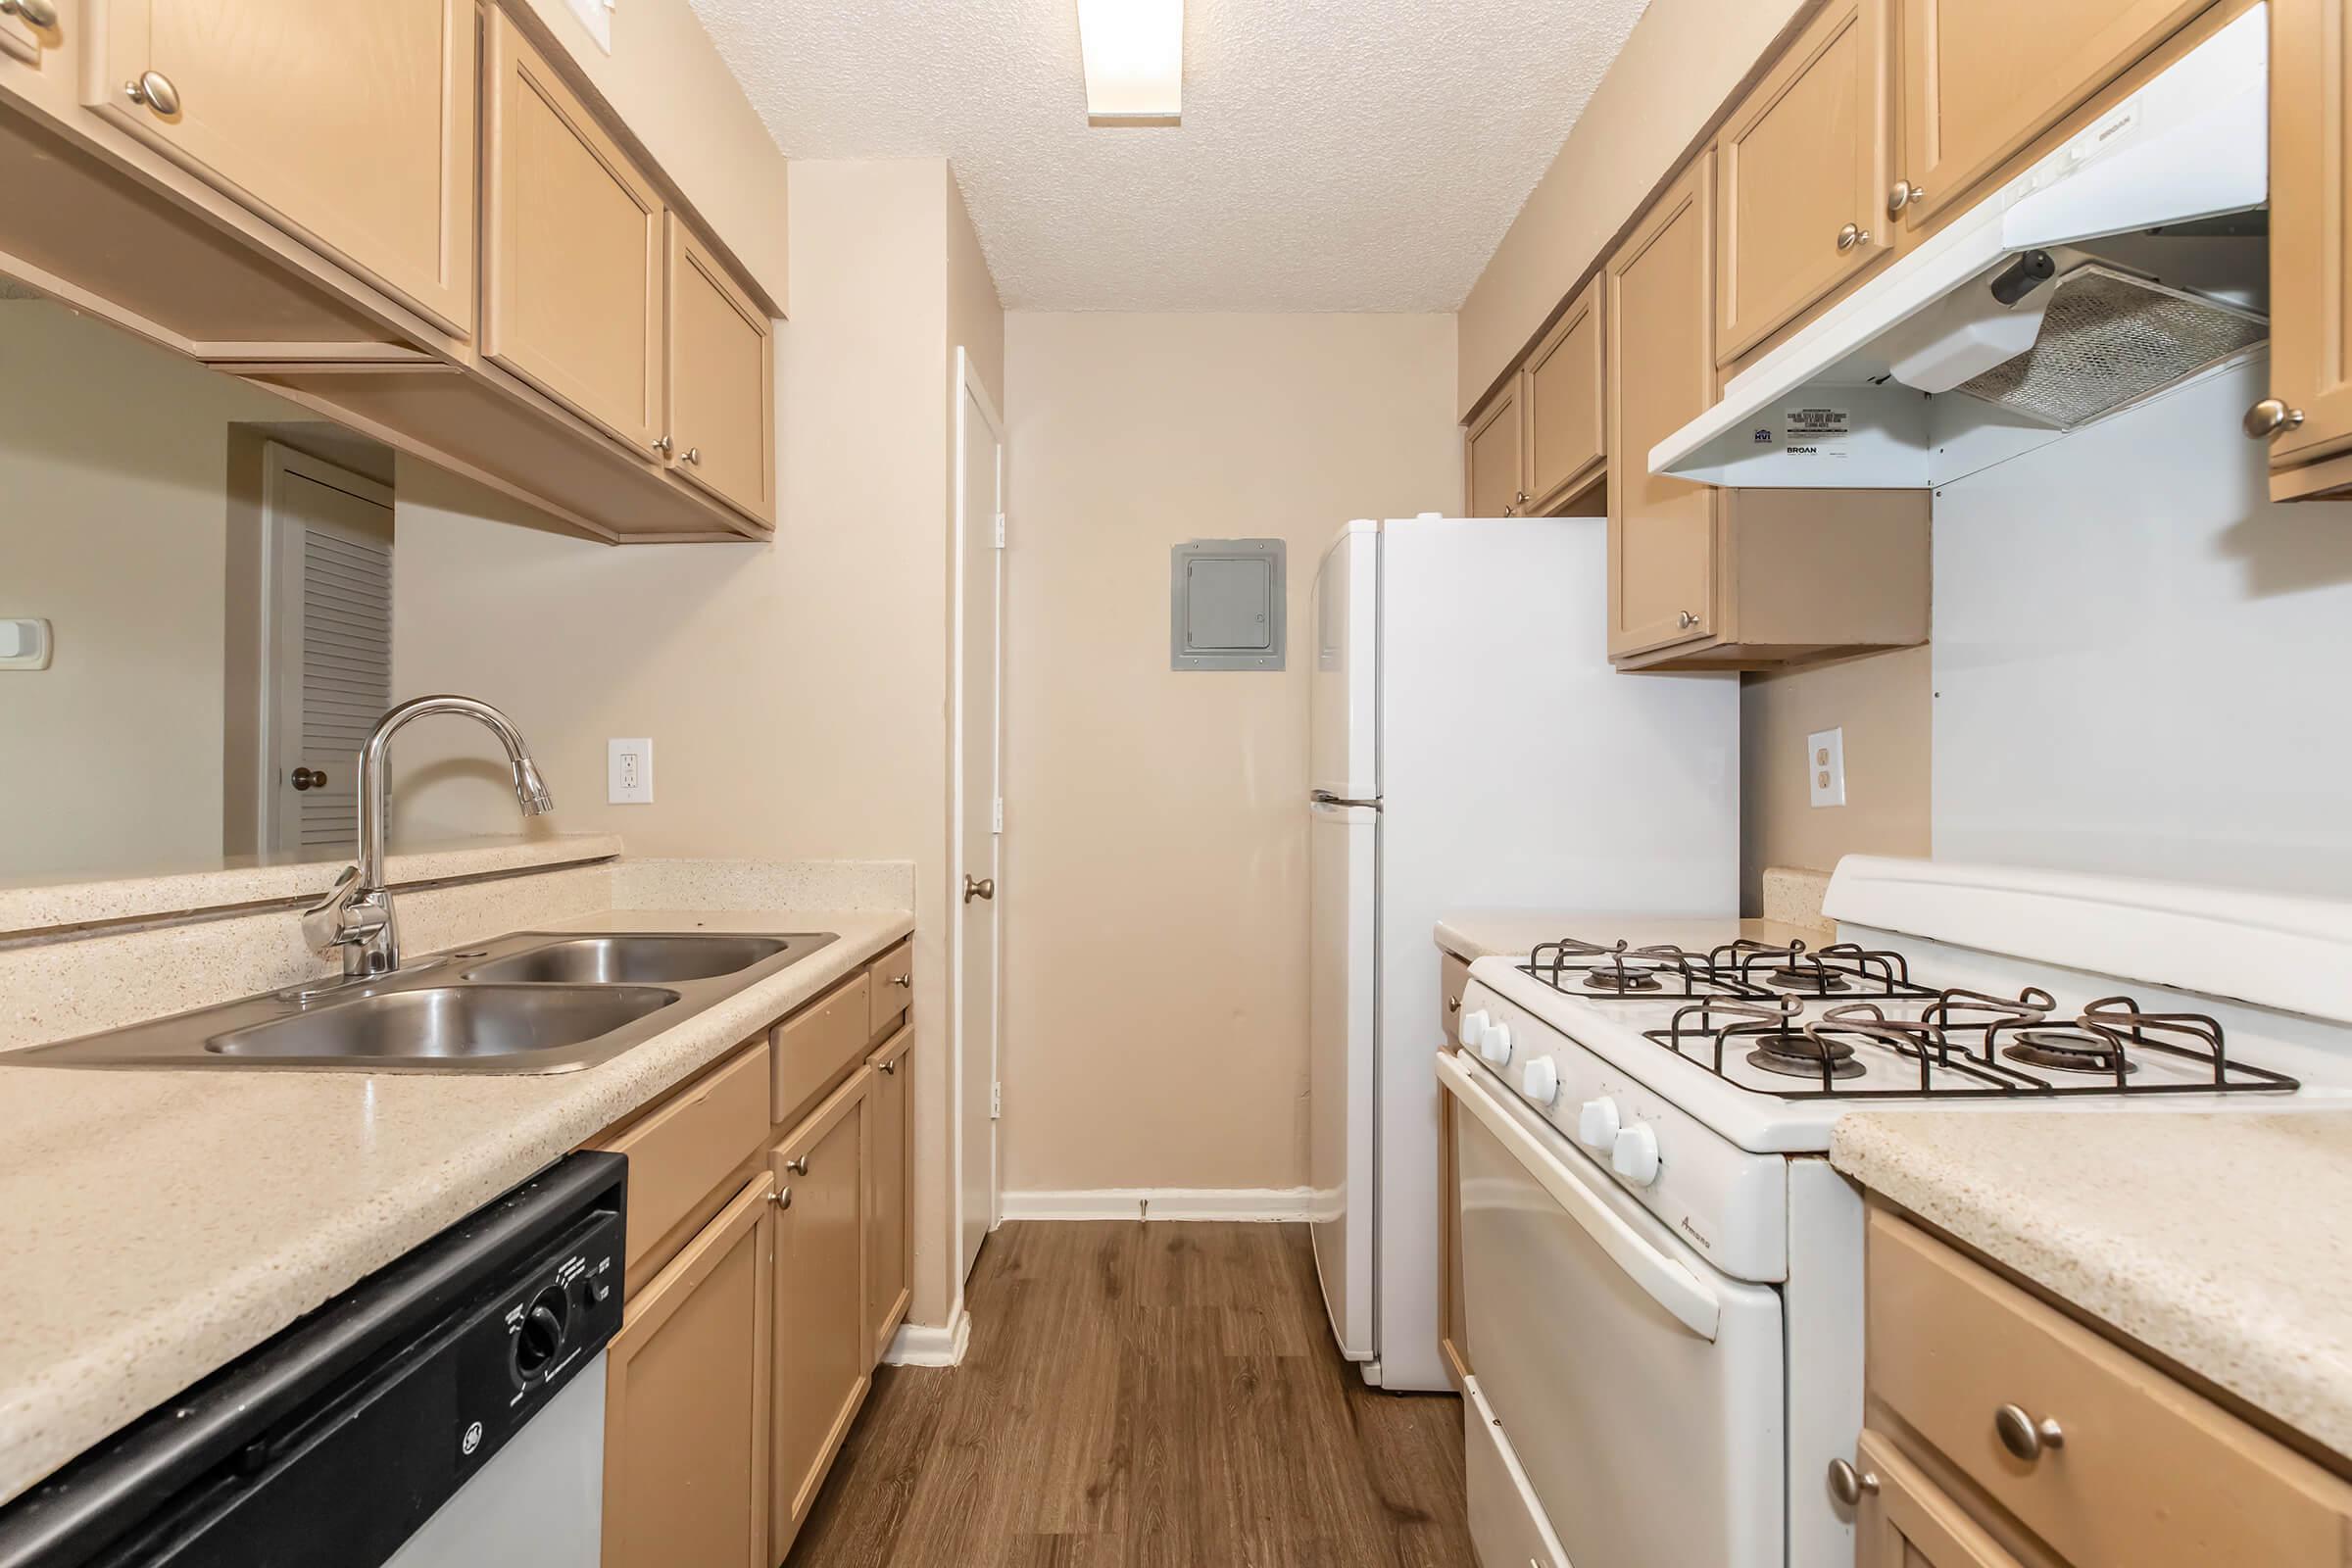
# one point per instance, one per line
(518, 1349)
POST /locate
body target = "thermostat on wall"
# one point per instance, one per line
(24, 644)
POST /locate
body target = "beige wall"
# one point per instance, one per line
(113, 517)
(1679, 65)
(795, 693)
(1156, 844)
(1883, 703)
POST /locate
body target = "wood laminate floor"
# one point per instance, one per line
(1162, 1395)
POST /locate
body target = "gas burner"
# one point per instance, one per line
(1840, 969)
(1621, 969)
(1809, 980)
(2070, 1051)
(1622, 979)
(1804, 1054)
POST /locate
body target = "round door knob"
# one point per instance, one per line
(2269, 417)
(154, 89)
(2025, 1437)
(307, 778)
(41, 14)
(984, 888)
(1852, 236)
(1848, 1484)
(1597, 1124)
(1634, 1156)
(1472, 1028)
(1901, 196)
(1494, 1045)
(1539, 1081)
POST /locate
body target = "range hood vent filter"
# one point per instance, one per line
(2109, 339)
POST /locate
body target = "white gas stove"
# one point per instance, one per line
(1674, 1105)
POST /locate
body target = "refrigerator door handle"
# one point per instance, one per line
(1326, 798)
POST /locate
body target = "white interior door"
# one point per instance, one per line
(977, 831)
(327, 548)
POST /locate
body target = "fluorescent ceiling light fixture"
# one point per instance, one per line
(1134, 53)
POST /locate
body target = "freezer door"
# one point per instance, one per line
(1343, 699)
(1344, 864)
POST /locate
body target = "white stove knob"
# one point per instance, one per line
(1635, 1154)
(1469, 1027)
(1539, 1081)
(1494, 1044)
(1597, 1124)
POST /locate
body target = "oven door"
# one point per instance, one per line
(1639, 1390)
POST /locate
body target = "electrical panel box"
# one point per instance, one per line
(1226, 602)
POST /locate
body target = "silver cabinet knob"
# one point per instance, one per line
(693, 455)
(984, 888)
(665, 446)
(1849, 1484)
(781, 1198)
(1454, 1003)
(152, 88)
(889, 1066)
(1902, 196)
(798, 1167)
(41, 14)
(2269, 417)
(1852, 236)
(905, 982)
(2025, 1437)
(1686, 619)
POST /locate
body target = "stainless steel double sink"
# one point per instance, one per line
(537, 1001)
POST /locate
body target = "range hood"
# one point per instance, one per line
(2109, 271)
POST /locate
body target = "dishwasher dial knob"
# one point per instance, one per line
(1541, 1081)
(1597, 1124)
(541, 1334)
(1494, 1044)
(1633, 1154)
(1470, 1026)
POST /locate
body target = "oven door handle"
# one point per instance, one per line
(1667, 1281)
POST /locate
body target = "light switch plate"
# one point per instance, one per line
(1824, 765)
(629, 773)
(24, 644)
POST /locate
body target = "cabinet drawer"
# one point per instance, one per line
(892, 979)
(2146, 1472)
(681, 1153)
(818, 1045)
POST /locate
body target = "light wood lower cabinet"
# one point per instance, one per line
(888, 1187)
(686, 1401)
(1453, 1315)
(825, 1341)
(348, 123)
(1905, 1522)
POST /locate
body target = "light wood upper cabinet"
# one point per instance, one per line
(26, 45)
(2311, 244)
(686, 1401)
(722, 379)
(1981, 78)
(1802, 169)
(889, 1156)
(824, 1339)
(1659, 312)
(575, 252)
(1493, 462)
(348, 123)
(1567, 401)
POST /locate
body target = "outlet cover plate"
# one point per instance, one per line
(1824, 765)
(629, 773)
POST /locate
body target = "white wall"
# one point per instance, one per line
(2140, 663)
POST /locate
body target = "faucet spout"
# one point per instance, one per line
(357, 914)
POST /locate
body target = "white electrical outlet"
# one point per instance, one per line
(629, 773)
(1824, 765)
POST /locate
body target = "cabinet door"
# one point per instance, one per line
(1660, 316)
(574, 304)
(2311, 226)
(22, 44)
(889, 1270)
(1982, 77)
(1567, 430)
(1907, 1522)
(349, 122)
(1497, 483)
(721, 379)
(1803, 169)
(825, 1348)
(686, 1392)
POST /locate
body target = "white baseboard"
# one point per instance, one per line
(1265, 1204)
(923, 1344)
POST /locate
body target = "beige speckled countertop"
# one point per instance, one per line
(1514, 933)
(158, 1224)
(2215, 1241)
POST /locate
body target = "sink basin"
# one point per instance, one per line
(442, 1023)
(631, 959)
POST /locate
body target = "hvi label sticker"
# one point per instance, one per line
(1815, 433)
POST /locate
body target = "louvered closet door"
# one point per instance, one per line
(331, 644)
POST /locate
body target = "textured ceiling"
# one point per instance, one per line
(1335, 155)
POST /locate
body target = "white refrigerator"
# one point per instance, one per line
(1471, 749)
